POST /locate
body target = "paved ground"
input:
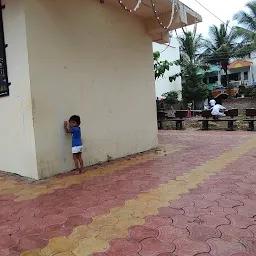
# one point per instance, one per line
(194, 197)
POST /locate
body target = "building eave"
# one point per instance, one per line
(183, 16)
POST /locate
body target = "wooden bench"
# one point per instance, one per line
(209, 118)
(250, 113)
(179, 118)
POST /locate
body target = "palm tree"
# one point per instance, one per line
(191, 45)
(223, 46)
(247, 23)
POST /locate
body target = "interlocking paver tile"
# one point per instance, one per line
(186, 247)
(233, 234)
(220, 247)
(199, 232)
(138, 233)
(169, 233)
(213, 221)
(240, 221)
(154, 247)
(249, 243)
(123, 248)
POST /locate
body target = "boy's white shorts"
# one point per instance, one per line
(76, 150)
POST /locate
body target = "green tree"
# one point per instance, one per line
(190, 47)
(247, 23)
(223, 46)
(161, 66)
(193, 88)
(171, 98)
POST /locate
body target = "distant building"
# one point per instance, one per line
(171, 53)
(240, 72)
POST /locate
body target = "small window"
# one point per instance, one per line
(245, 75)
(4, 84)
(235, 77)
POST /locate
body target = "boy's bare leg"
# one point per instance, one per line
(76, 161)
(80, 159)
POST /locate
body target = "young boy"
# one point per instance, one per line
(77, 145)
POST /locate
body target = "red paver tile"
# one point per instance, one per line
(250, 244)
(192, 211)
(169, 233)
(29, 230)
(213, 196)
(138, 233)
(241, 254)
(181, 221)
(233, 234)
(55, 231)
(204, 203)
(185, 247)
(166, 254)
(156, 221)
(169, 212)
(7, 241)
(252, 229)
(213, 221)
(51, 220)
(229, 203)
(123, 247)
(28, 242)
(154, 247)
(220, 247)
(201, 233)
(240, 221)
(178, 204)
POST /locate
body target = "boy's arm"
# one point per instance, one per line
(66, 127)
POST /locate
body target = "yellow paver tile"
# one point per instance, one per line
(59, 244)
(32, 253)
(89, 246)
(108, 233)
(83, 232)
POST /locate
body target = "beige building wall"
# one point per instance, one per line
(93, 60)
(17, 150)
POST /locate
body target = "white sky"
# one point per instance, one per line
(224, 9)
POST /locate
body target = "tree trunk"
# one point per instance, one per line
(227, 77)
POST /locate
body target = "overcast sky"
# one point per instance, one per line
(224, 9)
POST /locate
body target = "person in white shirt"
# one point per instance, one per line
(218, 111)
(212, 102)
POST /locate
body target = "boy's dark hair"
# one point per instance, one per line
(76, 119)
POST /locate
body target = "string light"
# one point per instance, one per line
(158, 16)
(128, 9)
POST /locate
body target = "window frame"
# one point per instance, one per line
(3, 61)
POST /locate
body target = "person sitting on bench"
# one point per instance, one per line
(218, 111)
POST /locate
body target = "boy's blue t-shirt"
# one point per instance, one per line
(76, 136)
